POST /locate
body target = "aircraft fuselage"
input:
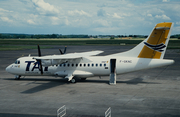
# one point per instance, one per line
(99, 66)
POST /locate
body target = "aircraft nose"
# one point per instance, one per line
(8, 68)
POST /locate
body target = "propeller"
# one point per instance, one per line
(64, 50)
(39, 51)
(40, 65)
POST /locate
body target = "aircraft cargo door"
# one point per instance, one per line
(113, 71)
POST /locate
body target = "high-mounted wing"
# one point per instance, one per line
(71, 57)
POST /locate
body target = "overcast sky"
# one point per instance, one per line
(92, 17)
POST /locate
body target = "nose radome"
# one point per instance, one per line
(8, 68)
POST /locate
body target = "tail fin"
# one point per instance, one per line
(154, 46)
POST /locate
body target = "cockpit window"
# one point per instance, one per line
(17, 62)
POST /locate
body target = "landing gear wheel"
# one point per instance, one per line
(73, 81)
(83, 78)
(17, 77)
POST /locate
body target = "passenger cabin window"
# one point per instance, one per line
(92, 65)
(96, 65)
(88, 65)
(72, 65)
(80, 65)
(84, 65)
(76, 65)
(104, 65)
(64, 65)
(100, 65)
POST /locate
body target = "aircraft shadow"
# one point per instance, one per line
(57, 82)
(134, 81)
(41, 85)
(137, 81)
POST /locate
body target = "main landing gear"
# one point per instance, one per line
(83, 78)
(74, 80)
(17, 77)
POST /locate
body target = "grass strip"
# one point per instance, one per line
(12, 44)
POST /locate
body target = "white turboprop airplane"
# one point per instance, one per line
(148, 54)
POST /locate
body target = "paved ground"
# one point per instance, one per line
(154, 92)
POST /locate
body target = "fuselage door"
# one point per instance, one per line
(113, 71)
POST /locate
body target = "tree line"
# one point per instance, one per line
(39, 36)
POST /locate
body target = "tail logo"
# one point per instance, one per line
(158, 47)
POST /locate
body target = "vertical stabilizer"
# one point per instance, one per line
(154, 46)
(157, 42)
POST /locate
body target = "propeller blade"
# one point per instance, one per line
(41, 69)
(39, 51)
(65, 49)
(60, 51)
(40, 65)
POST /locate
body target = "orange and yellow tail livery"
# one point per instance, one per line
(157, 42)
